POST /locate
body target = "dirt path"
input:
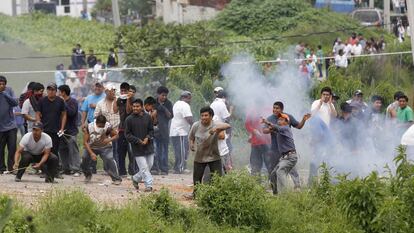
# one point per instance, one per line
(100, 189)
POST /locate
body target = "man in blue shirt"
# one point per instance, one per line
(88, 110)
(89, 105)
(8, 128)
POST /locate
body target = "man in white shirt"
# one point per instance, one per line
(323, 107)
(357, 49)
(35, 147)
(28, 110)
(74, 85)
(341, 60)
(219, 107)
(180, 127)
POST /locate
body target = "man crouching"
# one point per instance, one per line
(97, 139)
(35, 147)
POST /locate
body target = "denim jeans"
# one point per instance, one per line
(181, 147)
(161, 156)
(69, 153)
(108, 159)
(144, 164)
(279, 174)
(7, 138)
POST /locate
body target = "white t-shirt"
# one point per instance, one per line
(222, 144)
(179, 125)
(27, 109)
(220, 109)
(341, 61)
(73, 85)
(36, 148)
(323, 112)
(357, 49)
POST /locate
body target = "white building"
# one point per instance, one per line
(188, 11)
(63, 7)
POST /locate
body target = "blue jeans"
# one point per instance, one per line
(161, 156)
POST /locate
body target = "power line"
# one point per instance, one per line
(273, 38)
(140, 68)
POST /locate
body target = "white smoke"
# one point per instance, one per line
(251, 90)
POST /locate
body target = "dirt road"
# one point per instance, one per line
(100, 189)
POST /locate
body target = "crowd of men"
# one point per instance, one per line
(314, 63)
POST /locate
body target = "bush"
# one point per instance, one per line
(14, 218)
(235, 199)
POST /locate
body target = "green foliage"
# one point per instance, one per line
(79, 212)
(359, 199)
(236, 200)
(14, 218)
(57, 35)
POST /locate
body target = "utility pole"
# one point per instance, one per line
(410, 11)
(371, 3)
(115, 13)
(387, 15)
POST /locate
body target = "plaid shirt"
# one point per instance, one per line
(111, 117)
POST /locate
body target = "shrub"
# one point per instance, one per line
(14, 218)
(235, 199)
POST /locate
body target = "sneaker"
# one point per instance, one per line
(18, 179)
(88, 179)
(76, 174)
(135, 183)
(116, 182)
(164, 173)
(59, 176)
(148, 189)
(50, 180)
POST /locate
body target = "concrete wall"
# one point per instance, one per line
(179, 11)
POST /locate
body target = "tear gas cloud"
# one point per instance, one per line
(363, 149)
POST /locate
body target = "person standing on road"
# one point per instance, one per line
(68, 147)
(52, 114)
(35, 147)
(139, 132)
(203, 140)
(8, 128)
(31, 105)
(123, 107)
(97, 140)
(180, 126)
(287, 150)
(162, 135)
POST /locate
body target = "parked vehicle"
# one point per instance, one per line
(341, 6)
(369, 16)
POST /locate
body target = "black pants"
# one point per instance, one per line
(55, 141)
(215, 168)
(261, 154)
(7, 138)
(50, 167)
(123, 150)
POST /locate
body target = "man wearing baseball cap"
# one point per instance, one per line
(287, 150)
(35, 147)
(52, 114)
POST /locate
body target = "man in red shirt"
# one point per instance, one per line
(260, 145)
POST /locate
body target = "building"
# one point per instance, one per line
(63, 7)
(188, 11)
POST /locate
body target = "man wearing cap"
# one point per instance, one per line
(52, 114)
(287, 150)
(358, 104)
(35, 147)
(180, 127)
(105, 107)
(278, 108)
(8, 127)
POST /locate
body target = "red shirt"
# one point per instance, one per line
(252, 123)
